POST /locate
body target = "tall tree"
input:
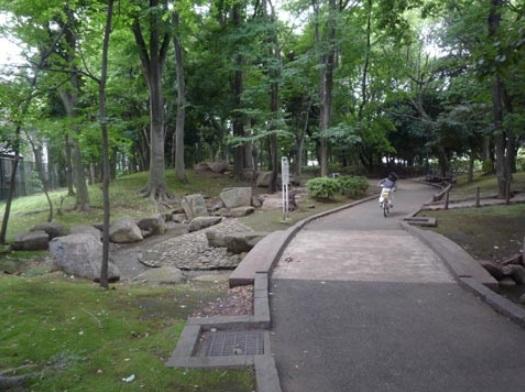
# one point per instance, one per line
(105, 144)
(153, 58)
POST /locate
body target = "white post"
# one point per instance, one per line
(285, 179)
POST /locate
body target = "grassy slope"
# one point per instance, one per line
(125, 200)
(488, 185)
(488, 233)
(87, 339)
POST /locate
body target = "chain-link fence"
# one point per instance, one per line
(27, 180)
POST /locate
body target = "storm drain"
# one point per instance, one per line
(226, 343)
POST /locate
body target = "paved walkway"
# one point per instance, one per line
(360, 305)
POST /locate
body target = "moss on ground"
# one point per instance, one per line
(82, 338)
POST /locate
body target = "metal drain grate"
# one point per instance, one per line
(226, 343)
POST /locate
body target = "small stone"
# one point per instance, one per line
(203, 222)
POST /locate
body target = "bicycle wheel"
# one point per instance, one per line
(386, 209)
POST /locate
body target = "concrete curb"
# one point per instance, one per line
(475, 282)
(267, 378)
(458, 261)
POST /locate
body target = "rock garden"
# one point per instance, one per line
(201, 234)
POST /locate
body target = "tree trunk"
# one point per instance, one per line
(37, 152)
(69, 165)
(152, 61)
(105, 146)
(237, 87)
(180, 171)
(500, 137)
(327, 69)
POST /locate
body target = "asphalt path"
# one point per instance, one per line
(360, 305)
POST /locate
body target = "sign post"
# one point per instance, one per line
(285, 180)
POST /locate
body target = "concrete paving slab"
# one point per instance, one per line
(374, 255)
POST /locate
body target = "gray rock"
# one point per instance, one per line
(237, 197)
(493, 269)
(81, 255)
(201, 167)
(194, 206)
(263, 179)
(214, 204)
(162, 275)
(124, 231)
(53, 229)
(154, 225)
(34, 240)
(179, 218)
(202, 222)
(218, 167)
(507, 282)
(242, 242)
(516, 272)
(237, 212)
(522, 299)
(87, 229)
(256, 202)
(216, 239)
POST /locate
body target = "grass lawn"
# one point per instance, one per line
(125, 201)
(488, 185)
(488, 233)
(82, 338)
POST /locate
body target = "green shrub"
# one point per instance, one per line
(322, 187)
(353, 186)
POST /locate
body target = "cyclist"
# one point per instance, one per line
(389, 185)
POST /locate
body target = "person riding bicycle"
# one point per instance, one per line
(389, 185)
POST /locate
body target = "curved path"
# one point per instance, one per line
(360, 305)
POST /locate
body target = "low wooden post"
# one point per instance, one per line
(478, 197)
(447, 199)
(507, 192)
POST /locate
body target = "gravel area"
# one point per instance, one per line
(237, 302)
(191, 252)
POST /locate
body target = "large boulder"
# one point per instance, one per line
(162, 275)
(153, 225)
(80, 255)
(218, 167)
(263, 179)
(194, 206)
(242, 242)
(53, 229)
(237, 197)
(201, 167)
(87, 229)
(34, 240)
(202, 222)
(124, 231)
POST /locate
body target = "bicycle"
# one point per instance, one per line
(384, 201)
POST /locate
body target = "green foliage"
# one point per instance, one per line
(353, 186)
(322, 187)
